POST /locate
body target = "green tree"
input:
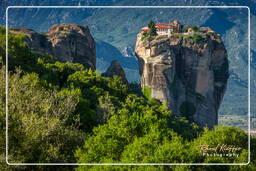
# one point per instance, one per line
(152, 28)
(139, 131)
(197, 38)
(42, 123)
(195, 28)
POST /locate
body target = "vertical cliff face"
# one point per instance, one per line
(66, 42)
(189, 71)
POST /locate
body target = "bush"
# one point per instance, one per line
(41, 122)
(146, 91)
(197, 38)
(194, 28)
(145, 35)
(137, 122)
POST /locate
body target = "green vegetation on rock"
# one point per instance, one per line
(151, 32)
(152, 28)
(196, 38)
(66, 32)
(146, 91)
(194, 28)
(145, 35)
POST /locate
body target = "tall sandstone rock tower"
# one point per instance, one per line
(189, 71)
(66, 42)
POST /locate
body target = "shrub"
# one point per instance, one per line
(194, 28)
(145, 35)
(146, 91)
(42, 123)
(197, 38)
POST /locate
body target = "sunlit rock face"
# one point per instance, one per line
(66, 42)
(189, 71)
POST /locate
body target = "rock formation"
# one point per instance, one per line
(66, 42)
(189, 71)
(115, 69)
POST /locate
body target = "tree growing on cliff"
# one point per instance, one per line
(152, 28)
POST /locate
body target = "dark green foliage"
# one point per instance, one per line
(187, 109)
(197, 38)
(195, 28)
(93, 88)
(42, 123)
(151, 32)
(56, 73)
(135, 88)
(138, 132)
(152, 28)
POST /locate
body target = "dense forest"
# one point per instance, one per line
(64, 113)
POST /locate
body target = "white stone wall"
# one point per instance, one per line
(164, 32)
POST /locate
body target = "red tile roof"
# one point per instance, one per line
(161, 26)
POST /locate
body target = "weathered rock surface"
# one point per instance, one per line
(188, 73)
(66, 42)
(115, 69)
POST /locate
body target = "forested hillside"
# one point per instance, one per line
(62, 112)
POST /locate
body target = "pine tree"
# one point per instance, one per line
(152, 27)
